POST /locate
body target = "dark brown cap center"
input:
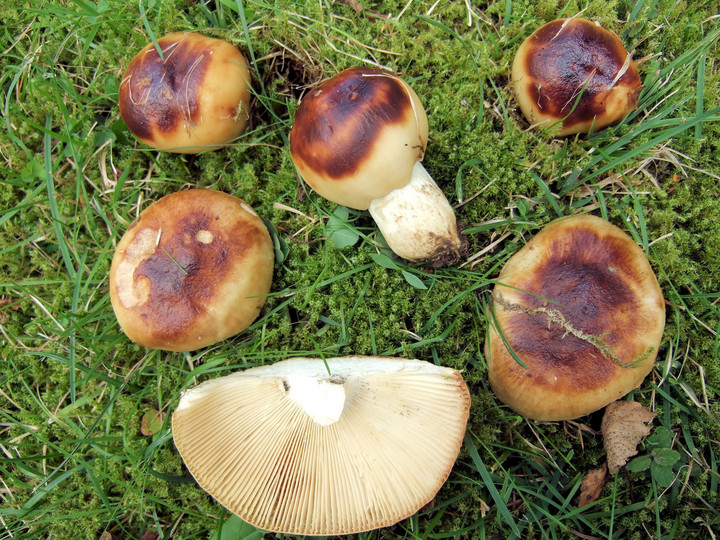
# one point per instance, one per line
(579, 318)
(572, 67)
(339, 122)
(163, 93)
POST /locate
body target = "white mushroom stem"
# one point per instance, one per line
(322, 400)
(417, 220)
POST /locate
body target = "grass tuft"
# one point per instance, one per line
(75, 461)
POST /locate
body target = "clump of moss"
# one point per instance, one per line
(68, 358)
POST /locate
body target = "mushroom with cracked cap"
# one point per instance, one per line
(192, 99)
(580, 307)
(324, 447)
(194, 269)
(358, 139)
(577, 74)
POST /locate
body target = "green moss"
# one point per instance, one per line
(63, 63)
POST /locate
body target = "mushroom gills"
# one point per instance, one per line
(324, 446)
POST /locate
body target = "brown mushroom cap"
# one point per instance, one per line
(193, 270)
(580, 306)
(324, 447)
(357, 136)
(568, 58)
(195, 98)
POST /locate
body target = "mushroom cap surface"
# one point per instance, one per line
(291, 448)
(580, 306)
(570, 58)
(193, 270)
(357, 136)
(195, 98)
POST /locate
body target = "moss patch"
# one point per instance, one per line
(74, 178)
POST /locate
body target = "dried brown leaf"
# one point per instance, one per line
(484, 509)
(358, 7)
(355, 4)
(624, 425)
(592, 485)
(5, 305)
(151, 422)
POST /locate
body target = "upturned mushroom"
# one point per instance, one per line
(580, 307)
(575, 75)
(194, 269)
(324, 447)
(194, 98)
(358, 140)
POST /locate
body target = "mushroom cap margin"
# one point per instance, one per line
(567, 59)
(194, 269)
(357, 136)
(194, 99)
(576, 304)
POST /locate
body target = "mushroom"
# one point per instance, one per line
(358, 139)
(575, 73)
(193, 270)
(580, 307)
(193, 98)
(324, 447)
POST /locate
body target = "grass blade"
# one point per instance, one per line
(500, 503)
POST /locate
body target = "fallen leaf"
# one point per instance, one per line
(484, 509)
(5, 305)
(592, 485)
(357, 6)
(623, 426)
(151, 422)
